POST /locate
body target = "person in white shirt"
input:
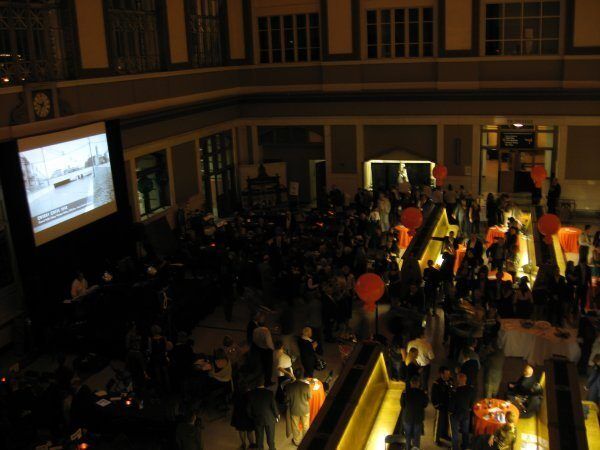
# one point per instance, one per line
(585, 242)
(282, 369)
(79, 286)
(425, 357)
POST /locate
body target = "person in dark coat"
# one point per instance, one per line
(441, 390)
(262, 409)
(431, 276)
(583, 273)
(240, 420)
(188, 434)
(461, 402)
(413, 403)
(553, 196)
(308, 353)
(474, 251)
(470, 363)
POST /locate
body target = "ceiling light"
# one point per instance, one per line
(517, 125)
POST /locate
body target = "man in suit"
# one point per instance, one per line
(413, 403)
(263, 411)
(583, 273)
(496, 253)
(258, 319)
(474, 251)
(441, 390)
(461, 402)
(297, 396)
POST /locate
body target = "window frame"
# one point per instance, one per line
(406, 43)
(282, 41)
(166, 168)
(561, 31)
(201, 54)
(138, 63)
(48, 44)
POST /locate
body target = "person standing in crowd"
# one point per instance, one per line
(283, 372)
(298, 394)
(583, 274)
(240, 419)
(474, 251)
(413, 402)
(441, 390)
(450, 243)
(414, 297)
(384, 207)
(475, 216)
(263, 411)
(262, 342)
(497, 254)
(188, 434)
(159, 362)
(553, 196)
(585, 242)
(469, 363)
(491, 210)
(308, 352)
(523, 300)
(411, 367)
(431, 277)
(450, 201)
(424, 357)
(257, 320)
(461, 216)
(493, 363)
(461, 402)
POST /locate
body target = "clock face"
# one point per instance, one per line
(41, 105)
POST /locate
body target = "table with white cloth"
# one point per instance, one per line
(536, 345)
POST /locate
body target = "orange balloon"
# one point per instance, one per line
(440, 172)
(538, 175)
(548, 224)
(411, 218)
(369, 288)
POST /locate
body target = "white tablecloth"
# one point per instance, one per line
(536, 345)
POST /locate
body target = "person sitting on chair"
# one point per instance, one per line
(526, 393)
(505, 437)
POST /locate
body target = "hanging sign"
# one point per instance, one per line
(517, 140)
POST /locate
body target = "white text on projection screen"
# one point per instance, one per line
(68, 180)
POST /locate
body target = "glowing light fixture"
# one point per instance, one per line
(517, 125)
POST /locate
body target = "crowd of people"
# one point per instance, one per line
(278, 263)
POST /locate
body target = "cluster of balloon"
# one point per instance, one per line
(538, 175)
(440, 172)
(369, 288)
(411, 218)
(548, 225)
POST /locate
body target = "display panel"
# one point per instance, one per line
(68, 180)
